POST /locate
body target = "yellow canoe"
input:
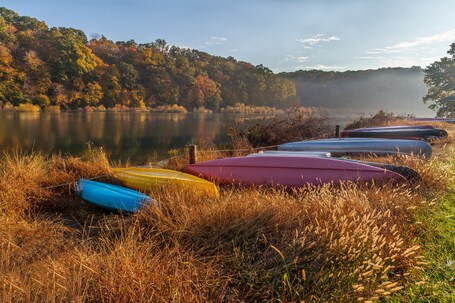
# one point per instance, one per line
(142, 178)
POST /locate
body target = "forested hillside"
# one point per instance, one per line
(59, 66)
(393, 89)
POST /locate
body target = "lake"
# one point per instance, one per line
(137, 137)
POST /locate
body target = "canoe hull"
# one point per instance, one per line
(394, 127)
(288, 172)
(344, 146)
(278, 153)
(395, 133)
(147, 179)
(111, 197)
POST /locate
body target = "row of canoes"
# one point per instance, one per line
(294, 165)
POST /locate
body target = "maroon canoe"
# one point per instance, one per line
(392, 132)
(416, 126)
(288, 171)
(350, 132)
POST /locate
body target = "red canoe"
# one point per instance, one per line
(288, 171)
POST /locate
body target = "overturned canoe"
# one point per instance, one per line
(147, 179)
(111, 197)
(395, 133)
(287, 171)
(396, 127)
(410, 174)
(279, 153)
(344, 146)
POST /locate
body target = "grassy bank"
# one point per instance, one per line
(321, 244)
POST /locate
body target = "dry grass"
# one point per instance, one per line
(320, 244)
(381, 118)
(293, 126)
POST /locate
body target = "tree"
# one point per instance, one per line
(93, 93)
(10, 79)
(204, 92)
(440, 80)
(68, 54)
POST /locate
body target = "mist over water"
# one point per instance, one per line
(349, 94)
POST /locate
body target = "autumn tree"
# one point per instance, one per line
(440, 80)
(58, 66)
(10, 79)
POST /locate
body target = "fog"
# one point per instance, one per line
(397, 90)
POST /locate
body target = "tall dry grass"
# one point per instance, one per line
(381, 118)
(293, 126)
(338, 244)
(319, 244)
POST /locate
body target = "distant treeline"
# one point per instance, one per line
(60, 67)
(392, 89)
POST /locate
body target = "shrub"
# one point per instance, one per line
(100, 108)
(174, 108)
(202, 110)
(378, 119)
(8, 107)
(240, 108)
(27, 107)
(53, 109)
(293, 126)
(41, 100)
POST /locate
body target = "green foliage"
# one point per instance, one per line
(440, 79)
(437, 237)
(73, 73)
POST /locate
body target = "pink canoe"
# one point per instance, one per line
(288, 171)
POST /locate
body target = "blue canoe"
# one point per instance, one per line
(279, 153)
(111, 197)
(344, 146)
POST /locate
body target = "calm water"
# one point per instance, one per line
(138, 137)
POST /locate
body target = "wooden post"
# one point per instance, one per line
(337, 131)
(193, 153)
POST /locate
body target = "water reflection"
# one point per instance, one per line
(134, 136)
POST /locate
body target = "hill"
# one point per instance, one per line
(59, 66)
(399, 90)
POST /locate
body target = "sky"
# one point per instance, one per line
(283, 35)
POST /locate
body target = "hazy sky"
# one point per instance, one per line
(284, 35)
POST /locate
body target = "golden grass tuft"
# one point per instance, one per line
(20, 178)
(273, 244)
